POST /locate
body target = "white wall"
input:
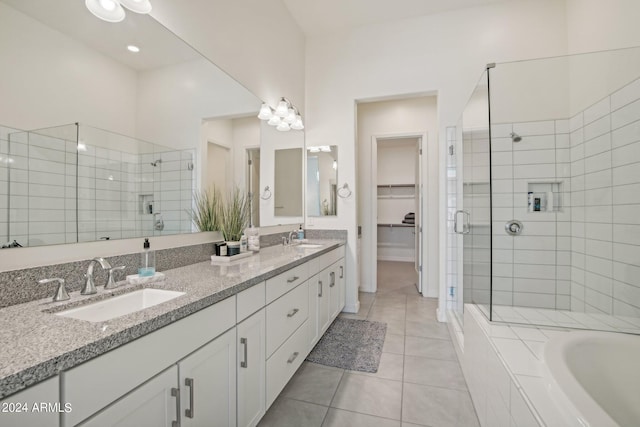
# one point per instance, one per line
(594, 25)
(256, 42)
(61, 75)
(414, 116)
(444, 53)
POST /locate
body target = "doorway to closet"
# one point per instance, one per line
(397, 209)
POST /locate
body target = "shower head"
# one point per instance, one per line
(515, 137)
(156, 163)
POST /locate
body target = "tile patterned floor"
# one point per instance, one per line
(419, 381)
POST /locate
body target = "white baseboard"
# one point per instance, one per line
(395, 258)
(353, 308)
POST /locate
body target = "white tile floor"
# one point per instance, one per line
(419, 381)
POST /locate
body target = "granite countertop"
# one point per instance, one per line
(36, 345)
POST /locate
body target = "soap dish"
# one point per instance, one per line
(136, 279)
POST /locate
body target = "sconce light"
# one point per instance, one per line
(285, 117)
(112, 10)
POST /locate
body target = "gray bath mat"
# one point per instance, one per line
(351, 344)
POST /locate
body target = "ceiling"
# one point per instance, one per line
(159, 47)
(320, 17)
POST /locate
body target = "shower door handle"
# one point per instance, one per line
(466, 225)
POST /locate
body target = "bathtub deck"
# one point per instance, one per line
(544, 317)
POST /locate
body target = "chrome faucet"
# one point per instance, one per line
(89, 285)
(111, 282)
(291, 234)
(61, 294)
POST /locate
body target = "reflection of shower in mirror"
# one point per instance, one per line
(156, 163)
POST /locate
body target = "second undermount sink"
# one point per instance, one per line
(121, 305)
(308, 246)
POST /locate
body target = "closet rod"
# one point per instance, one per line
(397, 225)
(396, 185)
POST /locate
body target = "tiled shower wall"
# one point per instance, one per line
(43, 207)
(605, 184)
(534, 268)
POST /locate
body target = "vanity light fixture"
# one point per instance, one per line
(112, 10)
(319, 148)
(133, 48)
(285, 116)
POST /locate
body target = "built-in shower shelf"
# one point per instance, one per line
(545, 196)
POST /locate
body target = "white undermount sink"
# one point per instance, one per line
(121, 305)
(308, 246)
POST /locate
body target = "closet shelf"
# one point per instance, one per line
(397, 225)
(397, 197)
(396, 185)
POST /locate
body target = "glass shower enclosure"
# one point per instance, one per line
(547, 211)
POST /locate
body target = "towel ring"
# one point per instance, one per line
(344, 191)
(266, 193)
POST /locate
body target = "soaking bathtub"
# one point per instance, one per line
(596, 377)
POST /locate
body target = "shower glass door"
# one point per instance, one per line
(472, 219)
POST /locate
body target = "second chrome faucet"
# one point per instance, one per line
(89, 287)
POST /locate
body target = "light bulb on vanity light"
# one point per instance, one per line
(274, 120)
(283, 126)
(291, 116)
(297, 124)
(282, 109)
(266, 112)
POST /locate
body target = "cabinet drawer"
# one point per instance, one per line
(93, 385)
(285, 315)
(323, 261)
(286, 361)
(249, 301)
(283, 283)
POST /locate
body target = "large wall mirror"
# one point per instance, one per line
(322, 178)
(98, 141)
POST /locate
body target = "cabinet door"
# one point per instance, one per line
(153, 404)
(323, 301)
(19, 410)
(251, 369)
(208, 384)
(342, 284)
(314, 328)
(334, 292)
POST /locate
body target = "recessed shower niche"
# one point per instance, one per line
(545, 196)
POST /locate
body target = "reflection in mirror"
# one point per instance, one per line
(322, 176)
(253, 180)
(71, 67)
(288, 182)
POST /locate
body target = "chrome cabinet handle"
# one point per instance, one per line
(332, 283)
(292, 279)
(320, 291)
(175, 392)
(341, 272)
(293, 312)
(455, 221)
(245, 362)
(293, 357)
(189, 382)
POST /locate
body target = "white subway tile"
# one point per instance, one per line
(534, 157)
(598, 197)
(600, 266)
(597, 111)
(540, 142)
(563, 287)
(626, 273)
(597, 179)
(597, 302)
(563, 141)
(576, 137)
(534, 257)
(562, 126)
(535, 243)
(629, 234)
(603, 231)
(576, 122)
(626, 154)
(628, 254)
(563, 302)
(501, 144)
(626, 194)
(597, 128)
(541, 171)
(625, 115)
(502, 158)
(534, 285)
(563, 155)
(527, 271)
(626, 95)
(598, 162)
(534, 228)
(626, 135)
(627, 174)
(627, 293)
(626, 214)
(534, 300)
(535, 128)
(599, 248)
(502, 172)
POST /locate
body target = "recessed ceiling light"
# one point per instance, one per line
(133, 48)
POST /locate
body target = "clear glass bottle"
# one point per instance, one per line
(147, 260)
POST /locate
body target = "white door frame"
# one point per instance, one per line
(373, 222)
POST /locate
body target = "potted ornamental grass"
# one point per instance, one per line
(234, 218)
(206, 214)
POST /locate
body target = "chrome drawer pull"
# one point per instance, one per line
(191, 384)
(293, 357)
(293, 312)
(333, 279)
(341, 272)
(320, 291)
(245, 343)
(175, 392)
(292, 279)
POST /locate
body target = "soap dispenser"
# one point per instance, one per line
(300, 233)
(147, 260)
